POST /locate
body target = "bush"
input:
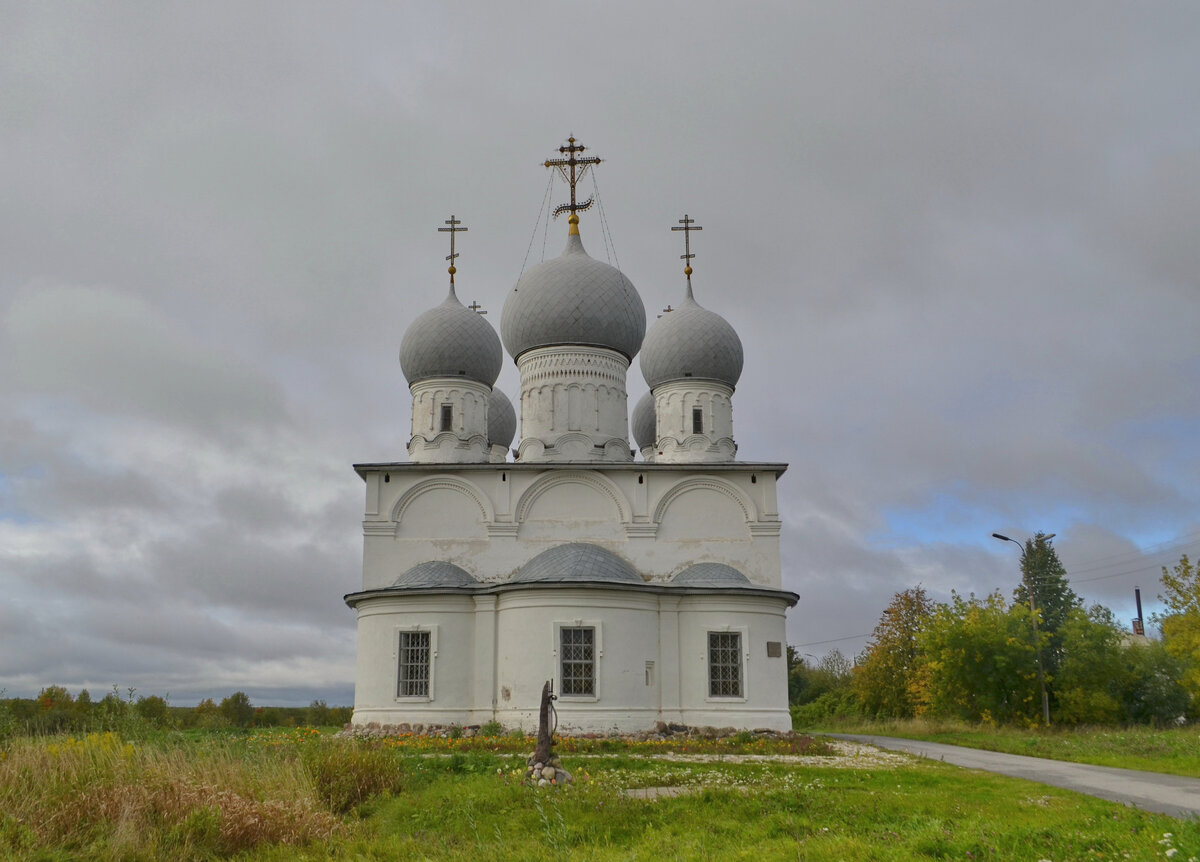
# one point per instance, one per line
(345, 774)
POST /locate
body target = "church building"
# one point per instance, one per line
(644, 583)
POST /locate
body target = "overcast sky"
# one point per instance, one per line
(959, 243)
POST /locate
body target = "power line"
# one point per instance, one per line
(834, 640)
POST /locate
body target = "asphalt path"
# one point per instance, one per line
(1150, 791)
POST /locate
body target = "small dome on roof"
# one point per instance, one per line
(578, 561)
(710, 575)
(692, 342)
(644, 422)
(576, 300)
(502, 420)
(451, 340)
(435, 573)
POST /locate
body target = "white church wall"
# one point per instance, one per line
(491, 521)
(758, 622)
(450, 621)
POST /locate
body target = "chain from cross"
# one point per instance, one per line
(475, 307)
(688, 225)
(578, 167)
(452, 230)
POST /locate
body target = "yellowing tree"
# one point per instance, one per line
(1181, 623)
(886, 676)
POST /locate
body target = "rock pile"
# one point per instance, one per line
(538, 774)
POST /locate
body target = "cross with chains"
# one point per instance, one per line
(452, 230)
(689, 225)
(578, 167)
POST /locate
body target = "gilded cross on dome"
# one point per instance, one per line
(573, 170)
(452, 230)
(688, 225)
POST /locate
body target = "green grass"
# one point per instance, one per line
(1175, 751)
(305, 796)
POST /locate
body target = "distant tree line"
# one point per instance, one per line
(987, 659)
(56, 710)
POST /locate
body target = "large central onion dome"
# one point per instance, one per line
(451, 340)
(692, 342)
(573, 300)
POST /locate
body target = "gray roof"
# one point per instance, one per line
(435, 573)
(578, 561)
(644, 422)
(710, 575)
(451, 340)
(573, 299)
(691, 342)
(502, 420)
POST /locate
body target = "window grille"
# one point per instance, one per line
(724, 664)
(578, 656)
(413, 672)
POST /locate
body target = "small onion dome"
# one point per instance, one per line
(644, 422)
(502, 420)
(574, 300)
(692, 342)
(578, 561)
(451, 340)
(435, 573)
(710, 575)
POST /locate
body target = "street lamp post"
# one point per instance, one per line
(1033, 614)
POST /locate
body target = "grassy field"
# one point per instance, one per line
(1175, 750)
(302, 794)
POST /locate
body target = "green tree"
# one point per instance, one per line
(1152, 692)
(981, 661)
(207, 715)
(884, 677)
(53, 698)
(1092, 671)
(319, 714)
(1043, 575)
(237, 709)
(154, 710)
(1181, 623)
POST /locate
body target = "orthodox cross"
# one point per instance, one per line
(667, 310)
(452, 230)
(573, 170)
(476, 307)
(689, 225)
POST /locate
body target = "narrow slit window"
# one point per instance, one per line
(697, 420)
(412, 675)
(447, 417)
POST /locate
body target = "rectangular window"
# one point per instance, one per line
(697, 420)
(577, 653)
(724, 664)
(447, 417)
(412, 676)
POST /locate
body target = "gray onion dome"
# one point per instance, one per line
(502, 420)
(451, 340)
(644, 422)
(573, 299)
(692, 342)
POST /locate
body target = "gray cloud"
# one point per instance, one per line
(956, 242)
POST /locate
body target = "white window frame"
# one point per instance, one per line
(433, 651)
(597, 658)
(743, 664)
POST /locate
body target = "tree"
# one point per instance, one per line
(1043, 574)
(981, 662)
(54, 697)
(1152, 692)
(1181, 624)
(237, 709)
(154, 710)
(1092, 670)
(884, 678)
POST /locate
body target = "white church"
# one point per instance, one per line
(644, 584)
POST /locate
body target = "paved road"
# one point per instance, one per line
(1150, 791)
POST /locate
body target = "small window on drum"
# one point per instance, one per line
(447, 417)
(697, 420)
